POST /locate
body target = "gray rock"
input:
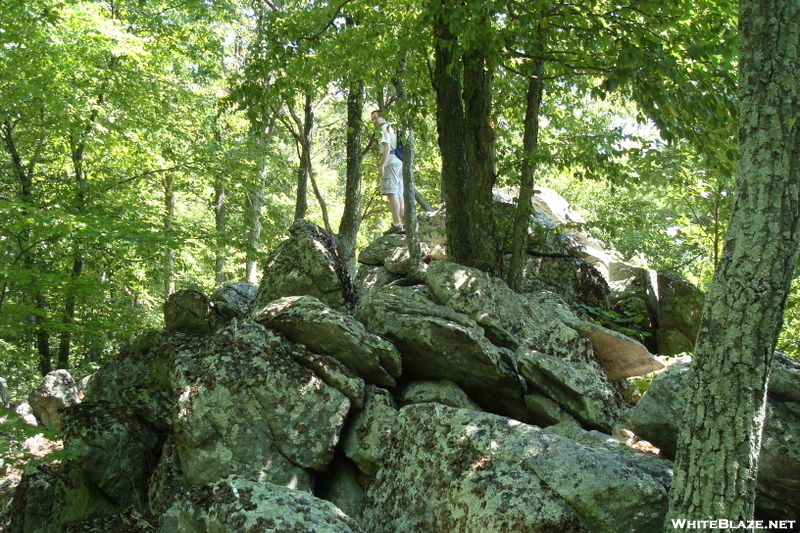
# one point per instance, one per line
(244, 406)
(437, 342)
(572, 278)
(370, 276)
(621, 356)
(114, 449)
(381, 249)
(458, 470)
(306, 264)
(332, 373)
(368, 434)
(657, 417)
(342, 486)
(630, 281)
(575, 386)
(25, 412)
(191, 312)
(237, 505)
(680, 305)
(58, 391)
(671, 341)
(325, 331)
(442, 391)
(139, 377)
(234, 300)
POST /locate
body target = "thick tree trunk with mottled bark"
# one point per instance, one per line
(718, 447)
(480, 141)
(451, 124)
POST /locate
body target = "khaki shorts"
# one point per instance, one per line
(392, 179)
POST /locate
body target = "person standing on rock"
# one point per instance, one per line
(390, 172)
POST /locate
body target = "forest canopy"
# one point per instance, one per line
(151, 146)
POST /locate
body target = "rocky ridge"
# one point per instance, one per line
(318, 403)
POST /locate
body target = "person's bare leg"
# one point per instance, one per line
(396, 207)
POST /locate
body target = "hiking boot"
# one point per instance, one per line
(395, 228)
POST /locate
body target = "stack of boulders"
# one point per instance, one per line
(316, 403)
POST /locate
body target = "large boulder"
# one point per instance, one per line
(460, 470)
(306, 264)
(114, 448)
(191, 312)
(657, 418)
(57, 392)
(325, 331)
(559, 360)
(244, 406)
(239, 505)
(437, 342)
(366, 438)
(234, 299)
(680, 308)
(140, 376)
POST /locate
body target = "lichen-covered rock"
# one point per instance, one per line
(139, 377)
(245, 406)
(369, 433)
(458, 470)
(32, 505)
(439, 343)
(333, 373)
(58, 391)
(575, 386)
(325, 331)
(306, 264)
(680, 304)
(510, 320)
(234, 299)
(237, 505)
(191, 312)
(573, 278)
(533, 323)
(442, 391)
(381, 248)
(657, 417)
(114, 448)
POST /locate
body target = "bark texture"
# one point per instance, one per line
(717, 459)
(351, 217)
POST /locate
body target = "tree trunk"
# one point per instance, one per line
(221, 225)
(304, 169)
(450, 125)
(725, 394)
(253, 208)
(351, 217)
(530, 141)
(169, 254)
(480, 143)
(410, 215)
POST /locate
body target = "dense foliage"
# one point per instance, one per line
(149, 147)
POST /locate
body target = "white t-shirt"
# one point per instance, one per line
(389, 135)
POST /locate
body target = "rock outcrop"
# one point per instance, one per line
(453, 404)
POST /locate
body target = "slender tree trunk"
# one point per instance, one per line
(530, 141)
(480, 142)
(410, 216)
(169, 254)
(725, 395)
(451, 125)
(221, 226)
(351, 218)
(304, 169)
(253, 208)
